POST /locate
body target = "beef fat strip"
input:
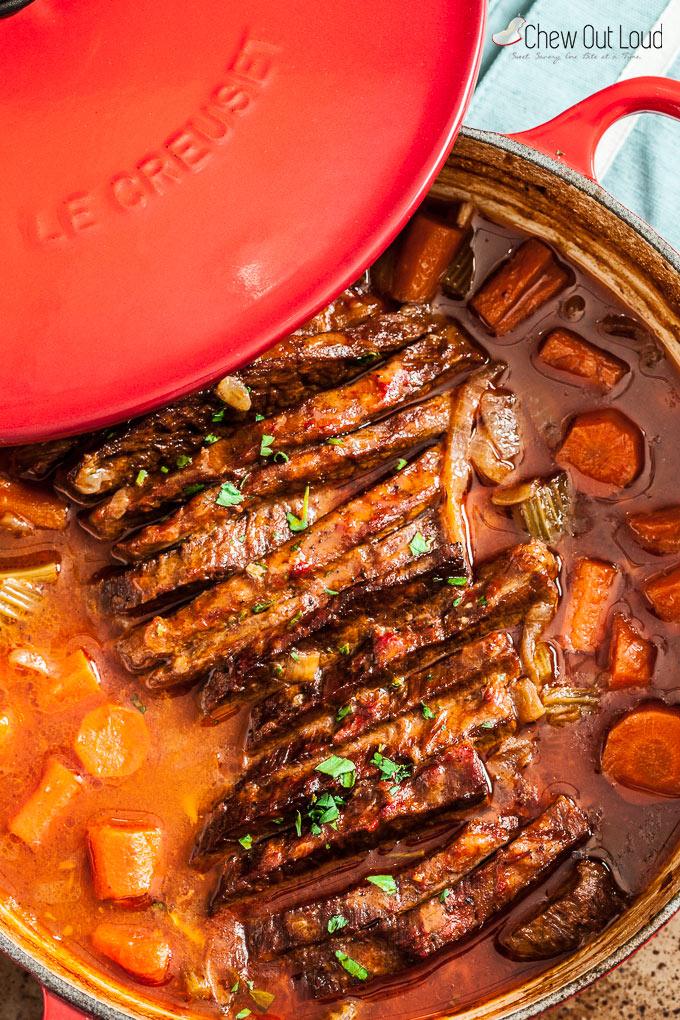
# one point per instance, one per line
(323, 416)
(368, 901)
(400, 940)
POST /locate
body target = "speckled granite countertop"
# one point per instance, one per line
(645, 986)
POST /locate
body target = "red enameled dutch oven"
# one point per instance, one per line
(258, 275)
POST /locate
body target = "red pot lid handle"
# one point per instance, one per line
(185, 183)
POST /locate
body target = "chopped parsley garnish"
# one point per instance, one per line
(444, 894)
(344, 649)
(295, 656)
(342, 712)
(242, 1014)
(261, 607)
(191, 490)
(401, 464)
(384, 882)
(488, 725)
(299, 523)
(234, 987)
(210, 439)
(398, 682)
(298, 823)
(351, 966)
(266, 446)
(427, 711)
(336, 923)
(390, 769)
(137, 702)
(324, 810)
(281, 458)
(219, 415)
(457, 582)
(246, 841)
(183, 461)
(457, 602)
(259, 417)
(229, 495)
(141, 477)
(164, 469)
(339, 768)
(482, 600)
(277, 821)
(334, 441)
(331, 591)
(419, 544)
(294, 619)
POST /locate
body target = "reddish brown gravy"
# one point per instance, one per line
(187, 765)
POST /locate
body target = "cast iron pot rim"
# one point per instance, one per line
(88, 1004)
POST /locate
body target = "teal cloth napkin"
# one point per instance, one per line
(521, 87)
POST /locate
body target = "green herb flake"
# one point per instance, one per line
(488, 725)
(344, 649)
(141, 477)
(295, 656)
(229, 495)
(183, 461)
(384, 882)
(219, 415)
(164, 469)
(351, 966)
(262, 999)
(300, 523)
(281, 458)
(336, 767)
(331, 591)
(457, 582)
(259, 417)
(242, 1014)
(401, 464)
(298, 823)
(234, 987)
(427, 711)
(210, 438)
(266, 446)
(482, 600)
(294, 619)
(333, 441)
(262, 607)
(398, 682)
(191, 490)
(444, 894)
(336, 923)
(246, 841)
(342, 712)
(137, 702)
(419, 544)
(390, 769)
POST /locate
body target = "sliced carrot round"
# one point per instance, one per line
(642, 750)
(140, 951)
(112, 741)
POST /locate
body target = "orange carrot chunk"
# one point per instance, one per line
(631, 657)
(525, 281)
(427, 248)
(57, 788)
(606, 446)
(569, 352)
(124, 857)
(590, 594)
(39, 508)
(663, 591)
(659, 531)
(142, 952)
(78, 680)
(642, 750)
(112, 741)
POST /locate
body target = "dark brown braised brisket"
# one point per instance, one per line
(480, 713)
(194, 639)
(366, 902)
(509, 586)
(364, 450)
(401, 939)
(370, 809)
(327, 415)
(582, 907)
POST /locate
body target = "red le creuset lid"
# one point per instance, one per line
(184, 183)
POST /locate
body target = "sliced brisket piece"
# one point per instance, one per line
(241, 535)
(509, 587)
(402, 939)
(364, 903)
(455, 780)
(481, 713)
(374, 704)
(582, 907)
(363, 450)
(326, 415)
(208, 622)
(37, 460)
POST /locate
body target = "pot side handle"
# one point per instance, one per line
(573, 136)
(57, 1009)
